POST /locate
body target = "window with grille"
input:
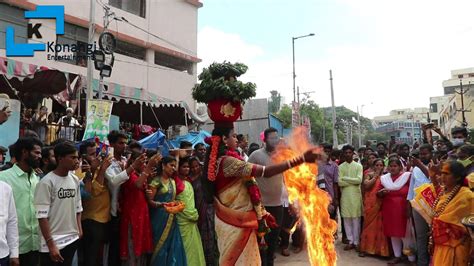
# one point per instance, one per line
(136, 7)
(173, 62)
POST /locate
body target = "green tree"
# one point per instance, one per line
(285, 115)
(274, 103)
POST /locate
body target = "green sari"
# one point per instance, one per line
(187, 221)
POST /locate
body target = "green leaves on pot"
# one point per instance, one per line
(218, 81)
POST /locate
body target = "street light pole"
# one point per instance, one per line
(294, 72)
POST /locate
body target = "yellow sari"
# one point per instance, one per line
(452, 242)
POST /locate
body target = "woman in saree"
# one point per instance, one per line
(135, 228)
(206, 214)
(187, 219)
(240, 214)
(168, 245)
(373, 240)
(443, 204)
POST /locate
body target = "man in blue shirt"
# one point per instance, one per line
(419, 177)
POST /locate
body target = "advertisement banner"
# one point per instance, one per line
(98, 117)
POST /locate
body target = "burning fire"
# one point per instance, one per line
(312, 201)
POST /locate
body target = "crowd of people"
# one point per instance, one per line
(405, 202)
(225, 202)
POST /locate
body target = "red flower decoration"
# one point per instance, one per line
(211, 170)
(254, 193)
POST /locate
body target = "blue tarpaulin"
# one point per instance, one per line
(194, 137)
(157, 141)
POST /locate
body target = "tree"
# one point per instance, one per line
(285, 115)
(274, 103)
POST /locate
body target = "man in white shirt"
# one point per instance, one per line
(58, 208)
(9, 240)
(68, 125)
(117, 174)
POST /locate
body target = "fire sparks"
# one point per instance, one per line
(312, 201)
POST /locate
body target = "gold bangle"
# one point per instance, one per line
(288, 164)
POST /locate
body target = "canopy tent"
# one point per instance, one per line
(32, 83)
(194, 137)
(157, 141)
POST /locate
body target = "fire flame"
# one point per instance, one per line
(312, 201)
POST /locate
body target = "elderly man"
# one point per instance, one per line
(67, 125)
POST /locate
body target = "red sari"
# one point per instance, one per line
(373, 241)
(134, 216)
(394, 210)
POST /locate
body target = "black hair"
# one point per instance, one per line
(209, 187)
(192, 159)
(133, 144)
(64, 149)
(394, 160)
(336, 153)
(361, 149)
(383, 144)
(268, 131)
(167, 159)
(253, 147)
(426, 146)
(198, 145)
(84, 146)
(347, 147)
(184, 160)
(370, 149)
(378, 160)
(240, 137)
(150, 153)
(11, 151)
(403, 145)
(374, 154)
(25, 143)
(467, 149)
(461, 130)
(457, 171)
(326, 145)
(58, 141)
(45, 154)
(185, 144)
(115, 135)
(134, 156)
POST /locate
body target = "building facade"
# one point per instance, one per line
(403, 124)
(156, 52)
(449, 108)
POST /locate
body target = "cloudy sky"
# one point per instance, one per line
(393, 54)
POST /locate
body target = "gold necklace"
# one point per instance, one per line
(435, 213)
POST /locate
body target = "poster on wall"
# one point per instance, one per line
(98, 117)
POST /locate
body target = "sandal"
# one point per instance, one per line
(396, 260)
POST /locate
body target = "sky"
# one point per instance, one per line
(384, 55)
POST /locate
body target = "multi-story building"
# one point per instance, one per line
(403, 124)
(448, 108)
(418, 114)
(451, 115)
(155, 56)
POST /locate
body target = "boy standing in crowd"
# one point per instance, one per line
(58, 208)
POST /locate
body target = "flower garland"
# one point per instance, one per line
(211, 170)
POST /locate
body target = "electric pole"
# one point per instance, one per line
(90, 64)
(462, 110)
(334, 130)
